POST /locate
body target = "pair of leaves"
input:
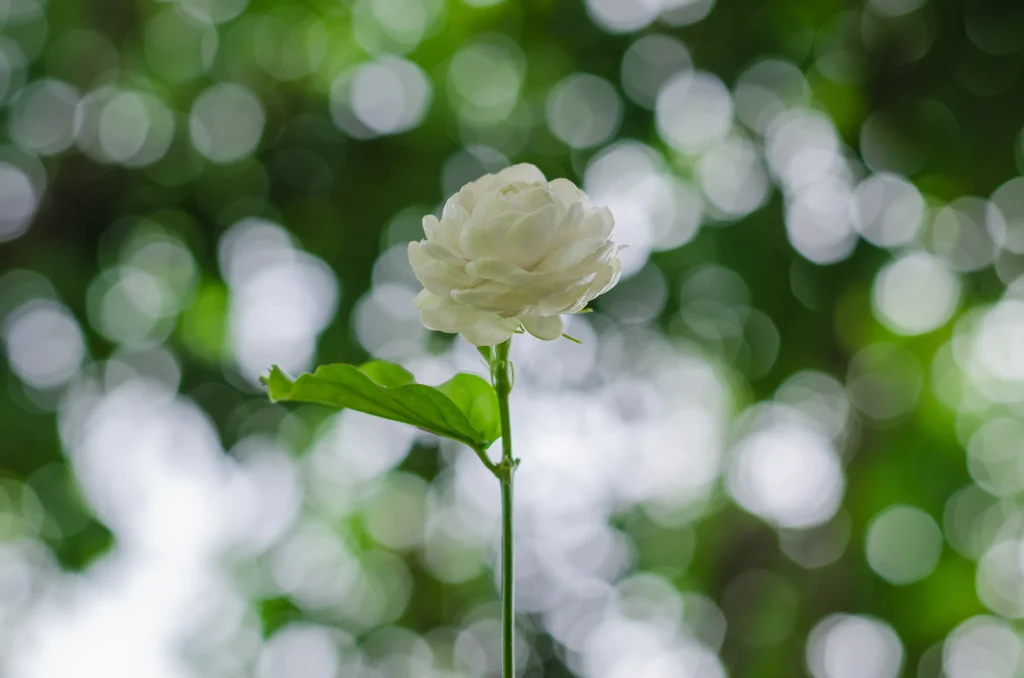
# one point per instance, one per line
(464, 408)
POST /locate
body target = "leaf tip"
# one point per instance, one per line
(278, 384)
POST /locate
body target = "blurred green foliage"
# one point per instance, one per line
(128, 165)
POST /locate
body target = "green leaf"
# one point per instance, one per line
(388, 375)
(464, 408)
(477, 400)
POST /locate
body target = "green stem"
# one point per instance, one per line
(508, 614)
(491, 466)
(500, 370)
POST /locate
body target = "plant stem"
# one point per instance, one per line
(508, 615)
(500, 373)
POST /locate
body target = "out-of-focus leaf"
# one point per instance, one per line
(204, 322)
(464, 408)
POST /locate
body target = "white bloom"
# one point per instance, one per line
(512, 249)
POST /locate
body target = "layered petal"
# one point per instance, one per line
(473, 194)
(511, 250)
(568, 194)
(597, 223)
(572, 254)
(567, 300)
(486, 228)
(439, 274)
(470, 195)
(443, 314)
(444, 232)
(523, 172)
(489, 331)
(496, 298)
(582, 223)
(528, 197)
(497, 270)
(526, 241)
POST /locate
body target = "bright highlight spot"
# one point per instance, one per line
(226, 122)
(915, 294)
(849, 646)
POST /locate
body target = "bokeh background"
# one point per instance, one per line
(790, 443)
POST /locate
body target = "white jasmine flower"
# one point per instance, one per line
(513, 250)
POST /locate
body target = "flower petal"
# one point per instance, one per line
(485, 231)
(565, 301)
(524, 172)
(427, 299)
(539, 284)
(443, 232)
(567, 193)
(597, 223)
(547, 328)
(571, 254)
(575, 298)
(446, 315)
(469, 195)
(603, 284)
(498, 270)
(454, 209)
(490, 331)
(605, 279)
(526, 241)
(441, 253)
(437, 275)
(495, 298)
